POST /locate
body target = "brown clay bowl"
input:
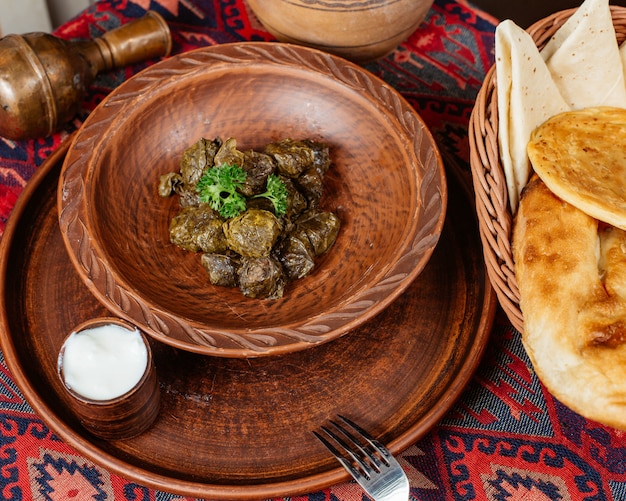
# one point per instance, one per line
(359, 31)
(387, 186)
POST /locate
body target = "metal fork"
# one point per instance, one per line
(366, 459)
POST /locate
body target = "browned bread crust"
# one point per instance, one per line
(571, 271)
(581, 156)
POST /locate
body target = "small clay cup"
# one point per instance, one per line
(122, 417)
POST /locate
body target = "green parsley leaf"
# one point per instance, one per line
(218, 188)
(277, 193)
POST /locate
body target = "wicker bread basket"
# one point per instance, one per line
(492, 205)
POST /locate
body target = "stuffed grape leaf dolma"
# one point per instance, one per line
(261, 277)
(197, 158)
(198, 228)
(193, 163)
(296, 203)
(169, 183)
(228, 154)
(311, 180)
(258, 167)
(313, 234)
(305, 162)
(319, 228)
(253, 233)
(321, 155)
(221, 268)
(254, 216)
(296, 256)
(311, 185)
(292, 157)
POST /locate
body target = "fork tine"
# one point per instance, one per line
(366, 459)
(354, 449)
(375, 444)
(360, 449)
(357, 474)
(367, 449)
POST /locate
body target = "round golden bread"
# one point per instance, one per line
(581, 156)
(571, 273)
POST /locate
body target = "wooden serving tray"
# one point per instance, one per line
(241, 428)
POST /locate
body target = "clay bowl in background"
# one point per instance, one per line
(359, 31)
(387, 186)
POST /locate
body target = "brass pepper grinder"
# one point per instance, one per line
(43, 79)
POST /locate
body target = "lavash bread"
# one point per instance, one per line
(580, 66)
(584, 58)
(571, 272)
(523, 103)
(581, 156)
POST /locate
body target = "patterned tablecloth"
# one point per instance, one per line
(505, 439)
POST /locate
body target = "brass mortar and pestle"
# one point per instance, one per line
(43, 78)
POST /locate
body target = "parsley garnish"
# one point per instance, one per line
(276, 192)
(218, 188)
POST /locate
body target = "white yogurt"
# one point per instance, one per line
(104, 362)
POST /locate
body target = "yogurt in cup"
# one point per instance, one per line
(106, 366)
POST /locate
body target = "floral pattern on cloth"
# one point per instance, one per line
(505, 439)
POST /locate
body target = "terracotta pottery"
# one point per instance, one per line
(121, 417)
(241, 429)
(387, 186)
(361, 31)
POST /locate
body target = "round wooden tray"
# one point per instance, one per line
(242, 429)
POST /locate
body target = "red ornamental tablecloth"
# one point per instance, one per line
(505, 439)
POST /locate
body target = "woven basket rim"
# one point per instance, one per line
(495, 219)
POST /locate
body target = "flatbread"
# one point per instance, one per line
(584, 58)
(571, 272)
(622, 53)
(582, 67)
(527, 96)
(581, 156)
